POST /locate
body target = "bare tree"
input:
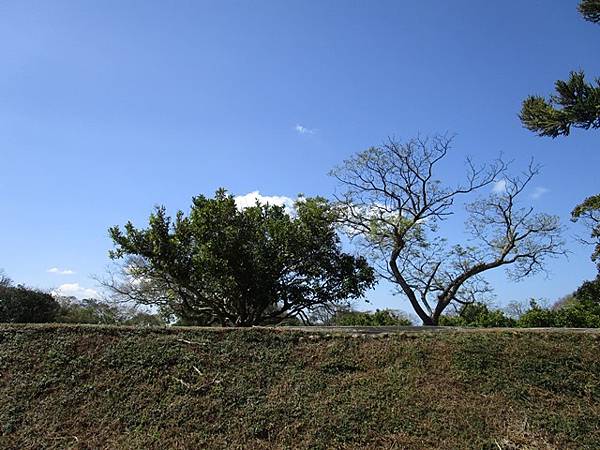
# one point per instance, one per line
(393, 204)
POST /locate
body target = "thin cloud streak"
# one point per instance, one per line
(301, 129)
(539, 192)
(58, 271)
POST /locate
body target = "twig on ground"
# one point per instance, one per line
(183, 383)
(185, 341)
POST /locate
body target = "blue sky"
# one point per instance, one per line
(108, 108)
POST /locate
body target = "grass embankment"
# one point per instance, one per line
(108, 387)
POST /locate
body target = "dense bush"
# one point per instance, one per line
(477, 315)
(579, 310)
(23, 305)
(571, 312)
(575, 314)
(385, 317)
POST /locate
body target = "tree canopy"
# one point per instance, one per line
(393, 204)
(231, 266)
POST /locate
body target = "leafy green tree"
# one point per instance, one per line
(23, 305)
(589, 213)
(576, 103)
(258, 265)
(393, 205)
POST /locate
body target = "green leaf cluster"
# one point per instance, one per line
(575, 104)
(590, 10)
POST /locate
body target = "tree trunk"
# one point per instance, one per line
(427, 320)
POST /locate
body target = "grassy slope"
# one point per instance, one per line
(103, 387)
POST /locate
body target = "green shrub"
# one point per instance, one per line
(536, 317)
(477, 315)
(573, 314)
(385, 317)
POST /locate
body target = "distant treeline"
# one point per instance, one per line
(19, 304)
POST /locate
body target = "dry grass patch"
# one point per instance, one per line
(107, 387)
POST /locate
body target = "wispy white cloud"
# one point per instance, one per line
(538, 192)
(301, 129)
(249, 199)
(499, 187)
(58, 271)
(75, 290)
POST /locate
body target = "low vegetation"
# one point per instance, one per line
(578, 310)
(117, 387)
